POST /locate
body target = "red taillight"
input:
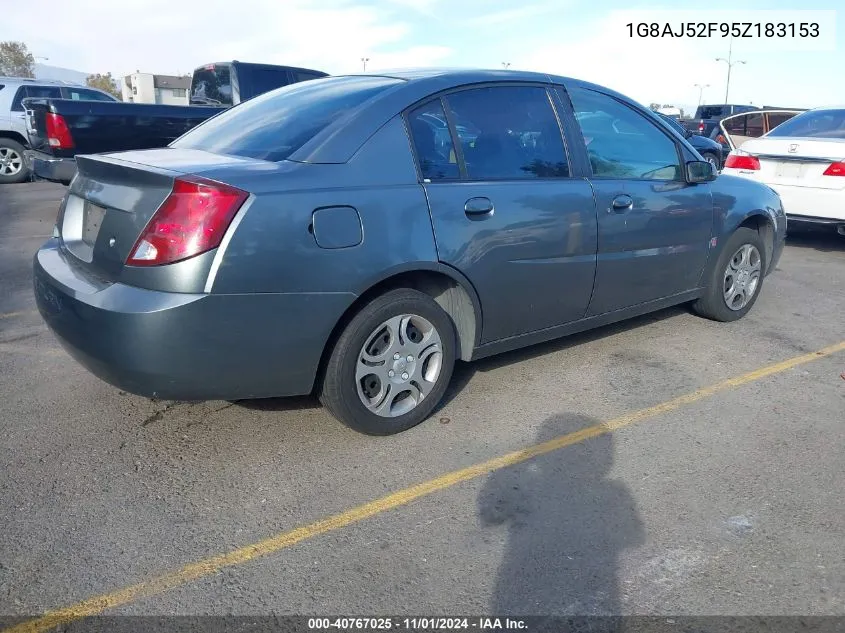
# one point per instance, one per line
(835, 169)
(192, 220)
(58, 134)
(701, 127)
(742, 161)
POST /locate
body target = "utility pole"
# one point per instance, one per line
(506, 65)
(364, 61)
(701, 91)
(730, 64)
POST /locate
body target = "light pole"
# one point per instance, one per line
(364, 61)
(506, 65)
(701, 91)
(730, 65)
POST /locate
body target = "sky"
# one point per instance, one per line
(575, 38)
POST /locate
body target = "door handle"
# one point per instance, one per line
(621, 203)
(478, 206)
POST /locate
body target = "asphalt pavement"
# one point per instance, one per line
(727, 501)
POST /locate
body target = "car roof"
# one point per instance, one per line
(42, 82)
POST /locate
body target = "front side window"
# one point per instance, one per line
(433, 142)
(508, 132)
(274, 125)
(621, 142)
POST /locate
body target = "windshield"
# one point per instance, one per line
(274, 125)
(212, 85)
(813, 124)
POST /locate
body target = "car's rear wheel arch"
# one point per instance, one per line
(454, 294)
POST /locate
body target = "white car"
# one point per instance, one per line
(803, 159)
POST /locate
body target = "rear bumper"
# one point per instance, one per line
(180, 346)
(50, 168)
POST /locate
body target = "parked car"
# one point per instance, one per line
(803, 160)
(318, 238)
(735, 130)
(13, 137)
(707, 118)
(710, 150)
(59, 129)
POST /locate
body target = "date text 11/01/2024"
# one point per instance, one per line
(724, 29)
(415, 624)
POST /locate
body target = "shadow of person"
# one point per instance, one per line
(566, 524)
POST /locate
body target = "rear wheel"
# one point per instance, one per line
(736, 279)
(391, 365)
(12, 165)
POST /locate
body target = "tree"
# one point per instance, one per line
(105, 83)
(16, 60)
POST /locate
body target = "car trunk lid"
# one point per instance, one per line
(114, 197)
(798, 162)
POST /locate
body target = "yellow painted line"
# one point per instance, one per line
(209, 566)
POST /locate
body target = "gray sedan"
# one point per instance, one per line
(334, 236)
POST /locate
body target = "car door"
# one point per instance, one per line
(506, 209)
(653, 227)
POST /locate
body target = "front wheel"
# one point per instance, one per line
(736, 279)
(391, 365)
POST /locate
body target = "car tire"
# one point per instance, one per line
(711, 158)
(395, 328)
(726, 279)
(12, 164)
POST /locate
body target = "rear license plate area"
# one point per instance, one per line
(81, 226)
(789, 170)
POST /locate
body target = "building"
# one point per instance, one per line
(147, 88)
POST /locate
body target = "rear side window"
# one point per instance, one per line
(508, 132)
(621, 142)
(300, 75)
(754, 125)
(777, 119)
(736, 125)
(814, 124)
(274, 125)
(433, 142)
(81, 94)
(264, 80)
(212, 85)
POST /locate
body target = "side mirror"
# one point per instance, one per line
(700, 171)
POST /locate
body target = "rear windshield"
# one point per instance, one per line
(712, 112)
(212, 85)
(274, 125)
(813, 124)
